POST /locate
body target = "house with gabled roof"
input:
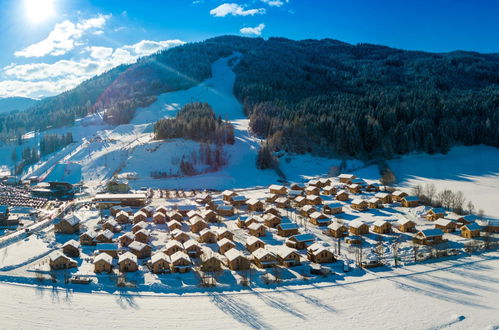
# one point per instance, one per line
(264, 258)
(435, 213)
(103, 263)
(207, 236)
(57, 260)
(71, 248)
(236, 260)
(180, 262)
(88, 238)
(128, 262)
(410, 201)
(286, 256)
(337, 230)
(141, 250)
(192, 248)
(172, 246)
(287, 229)
(320, 254)
(300, 241)
(342, 196)
(429, 236)
(211, 262)
(382, 226)
(446, 225)
(358, 227)
(470, 230)
(105, 236)
(160, 263)
(406, 225)
(257, 229)
(67, 225)
(253, 243)
(225, 245)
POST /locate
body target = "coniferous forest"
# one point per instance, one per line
(320, 96)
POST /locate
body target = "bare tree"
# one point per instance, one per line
(395, 251)
(445, 198)
(430, 191)
(470, 207)
(458, 202)
(415, 249)
(417, 191)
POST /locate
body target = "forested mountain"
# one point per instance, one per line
(9, 104)
(321, 96)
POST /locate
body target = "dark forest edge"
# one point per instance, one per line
(323, 97)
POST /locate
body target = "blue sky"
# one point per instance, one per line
(49, 46)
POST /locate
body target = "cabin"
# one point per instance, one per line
(197, 224)
(300, 241)
(312, 190)
(374, 203)
(282, 202)
(278, 189)
(148, 210)
(297, 186)
(173, 225)
(320, 254)
(446, 225)
(373, 187)
(172, 246)
(354, 188)
(67, 225)
(236, 260)
(254, 243)
(470, 230)
(127, 262)
(225, 210)
(406, 226)
(207, 236)
(192, 248)
(88, 238)
(254, 205)
(398, 195)
(272, 198)
(162, 209)
(245, 222)
(287, 229)
(342, 196)
(140, 249)
(264, 258)
(384, 197)
(108, 248)
(272, 210)
(323, 182)
(103, 263)
(139, 216)
(382, 227)
(126, 239)
(465, 220)
(179, 235)
(313, 200)
(319, 219)
(228, 194)
(122, 217)
(346, 178)
(358, 227)
(313, 182)
(160, 263)
(359, 204)
(194, 213)
(307, 210)
(225, 245)
(435, 213)
(300, 201)
(142, 236)
(203, 198)
(159, 218)
(489, 226)
(184, 209)
(176, 216)
(57, 260)
(337, 230)
(329, 190)
(112, 225)
(139, 226)
(105, 236)
(271, 220)
(71, 248)
(292, 194)
(287, 257)
(211, 262)
(180, 262)
(429, 237)
(238, 201)
(223, 232)
(209, 215)
(257, 229)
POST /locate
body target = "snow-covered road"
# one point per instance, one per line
(456, 294)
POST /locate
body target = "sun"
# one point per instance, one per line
(39, 10)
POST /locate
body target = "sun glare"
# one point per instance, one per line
(39, 10)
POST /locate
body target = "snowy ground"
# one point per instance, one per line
(473, 170)
(453, 294)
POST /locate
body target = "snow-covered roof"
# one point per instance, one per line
(380, 222)
(317, 215)
(140, 214)
(473, 226)
(206, 231)
(103, 257)
(160, 256)
(252, 240)
(225, 241)
(288, 226)
(431, 232)
(346, 176)
(336, 225)
(239, 198)
(356, 223)
(303, 237)
(137, 246)
(190, 243)
(398, 193)
(179, 255)
(255, 226)
(276, 187)
(342, 192)
(107, 234)
(194, 220)
(172, 243)
(358, 201)
(128, 256)
(404, 221)
(89, 233)
(262, 253)
(411, 198)
(112, 222)
(284, 251)
(72, 219)
(72, 243)
(381, 194)
(443, 222)
(228, 193)
(233, 254)
(141, 224)
(253, 201)
(127, 234)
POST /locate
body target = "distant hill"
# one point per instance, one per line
(324, 96)
(10, 104)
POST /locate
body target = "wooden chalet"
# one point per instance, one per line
(171, 247)
(245, 222)
(446, 225)
(139, 226)
(180, 262)
(313, 200)
(225, 210)
(197, 224)
(287, 229)
(382, 227)
(176, 216)
(263, 258)
(398, 195)
(354, 188)
(112, 225)
(103, 263)
(162, 209)
(159, 218)
(332, 208)
(142, 236)
(470, 230)
(300, 241)
(225, 245)
(374, 203)
(160, 263)
(384, 197)
(228, 194)
(346, 178)
(320, 254)
(223, 232)
(127, 262)
(359, 204)
(307, 210)
(67, 225)
(109, 248)
(329, 190)
(429, 237)
(254, 205)
(342, 196)
(283, 203)
(337, 230)
(207, 236)
(312, 190)
(271, 220)
(287, 257)
(141, 250)
(272, 210)
(126, 239)
(211, 262)
(278, 189)
(139, 216)
(319, 219)
(358, 227)
(257, 229)
(179, 235)
(174, 224)
(203, 198)
(122, 217)
(465, 220)
(236, 260)
(300, 201)
(57, 260)
(435, 213)
(373, 187)
(88, 238)
(71, 248)
(105, 236)
(238, 201)
(406, 225)
(192, 248)
(254, 243)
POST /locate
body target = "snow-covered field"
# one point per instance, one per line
(472, 170)
(452, 294)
